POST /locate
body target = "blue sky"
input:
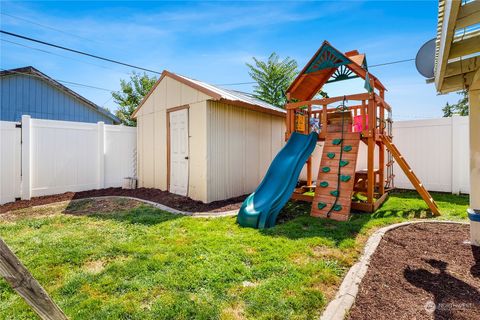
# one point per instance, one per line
(212, 41)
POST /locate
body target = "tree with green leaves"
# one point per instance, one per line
(273, 78)
(460, 108)
(130, 96)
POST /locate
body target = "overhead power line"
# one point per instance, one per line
(372, 66)
(56, 54)
(392, 62)
(137, 67)
(77, 51)
(237, 83)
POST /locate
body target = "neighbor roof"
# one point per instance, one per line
(233, 97)
(31, 71)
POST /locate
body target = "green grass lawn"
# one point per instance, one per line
(142, 263)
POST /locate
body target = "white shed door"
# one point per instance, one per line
(179, 152)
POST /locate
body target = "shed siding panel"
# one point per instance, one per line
(251, 151)
(241, 145)
(160, 100)
(26, 95)
(197, 131)
(188, 95)
(235, 125)
(265, 154)
(173, 92)
(160, 140)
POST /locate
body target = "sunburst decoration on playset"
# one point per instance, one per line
(342, 73)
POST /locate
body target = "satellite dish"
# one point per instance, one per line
(425, 59)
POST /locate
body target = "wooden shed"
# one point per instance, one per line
(205, 142)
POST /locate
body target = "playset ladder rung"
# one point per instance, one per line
(390, 178)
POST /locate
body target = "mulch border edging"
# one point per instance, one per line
(153, 204)
(338, 308)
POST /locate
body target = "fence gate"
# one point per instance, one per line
(10, 161)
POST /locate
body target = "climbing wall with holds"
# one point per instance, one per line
(333, 192)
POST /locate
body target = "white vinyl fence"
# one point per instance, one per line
(436, 149)
(10, 165)
(59, 156)
(438, 152)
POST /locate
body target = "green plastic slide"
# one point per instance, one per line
(261, 208)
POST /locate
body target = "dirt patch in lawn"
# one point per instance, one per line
(101, 205)
(163, 197)
(94, 267)
(40, 211)
(422, 271)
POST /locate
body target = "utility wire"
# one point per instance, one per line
(145, 69)
(46, 27)
(372, 66)
(234, 84)
(103, 104)
(393, 62)
(62, 81)
(58, 55)
(77, 51)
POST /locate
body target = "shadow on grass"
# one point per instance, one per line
(461, 199)
(294, 221)
(406, 214)
(143, 214)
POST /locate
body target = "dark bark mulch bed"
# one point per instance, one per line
(155, 195)
(422, 271)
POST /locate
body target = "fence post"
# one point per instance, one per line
(455, 187)
(26, 157)
(101, 154)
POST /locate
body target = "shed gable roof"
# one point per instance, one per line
(31, 71)
(233, 97)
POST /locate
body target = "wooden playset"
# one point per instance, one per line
(339, 186)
